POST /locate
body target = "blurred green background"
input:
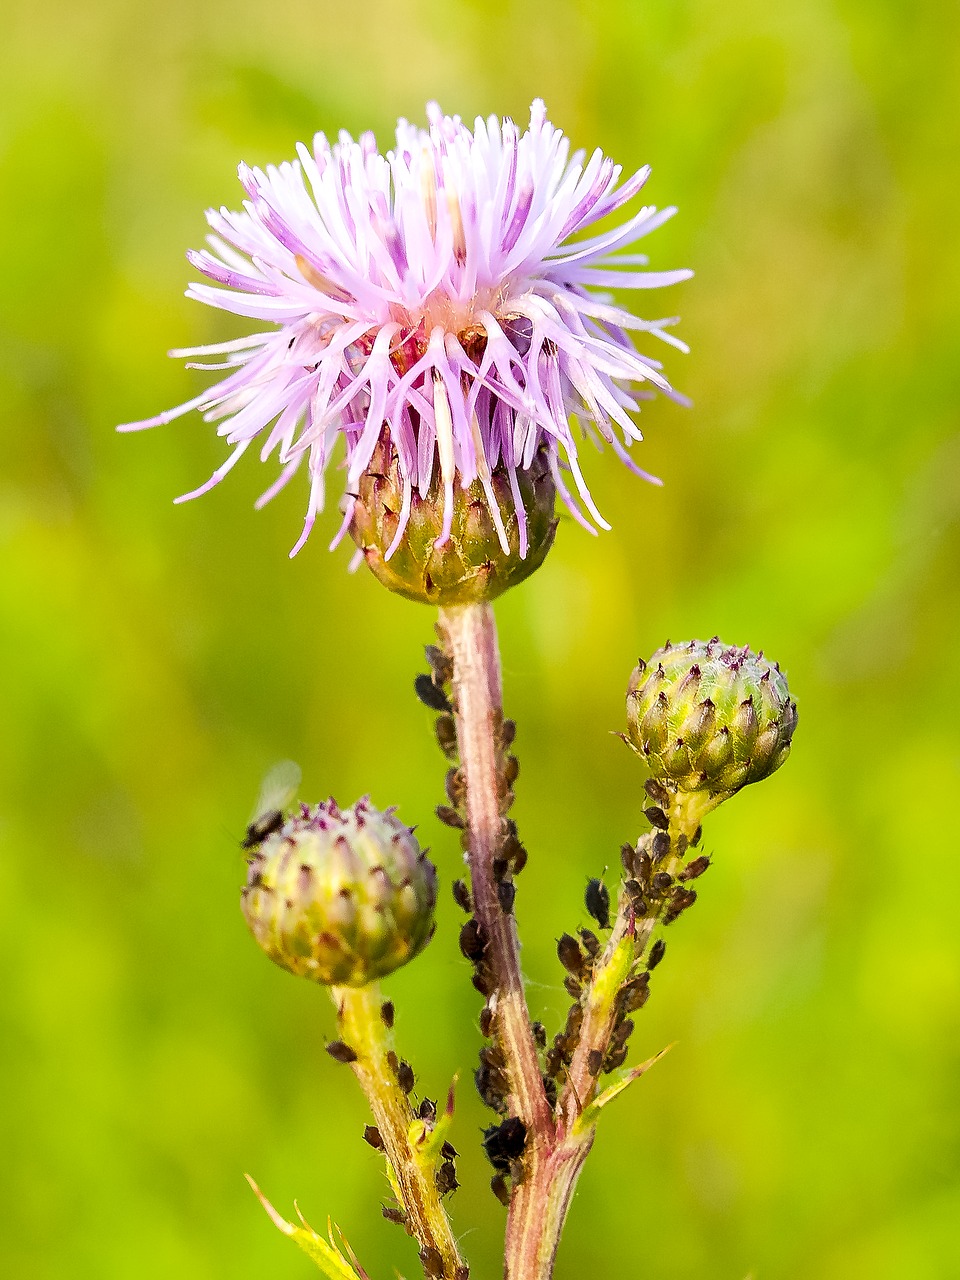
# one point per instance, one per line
(156, 660)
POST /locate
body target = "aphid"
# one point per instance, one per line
(386, 1014)
(473, 943)
(591, 943)
(394, 1214)
(634, 894)
(504, 1143)
(659, 846)
(431, 694)
(506, 893)
(447, 736)
(456, 787)
(405, 1077)
(371, 1134)
(695, 868)
(508, 732)
(341, 1052)
(449, 816)
(431, 1259)
(486, 1021)
(539, 1035)
(572, 987)
(393, 1062)
(449, 1151)
(483, 981)
(656, 817)
(682, 898)
(498, 1185)
(511, 770)
(662, 881)
(616, 1059)
(658, 792)
(642, 865)
(277, 792)
(569, 954)
(461, 1273)
(440, 664)
(427, 1109)
(461, 895)
(627, 856)
(635, 994)
(656, 953)
(571, 1030)
(491, 1086)
(594, 1062)
(597, 900)
(447, 1178)
(492, 1056)
(622, 1034)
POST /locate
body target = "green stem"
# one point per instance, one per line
(413, 1164)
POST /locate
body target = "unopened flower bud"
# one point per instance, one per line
(709, 719)
(341, 896)
(496, 537)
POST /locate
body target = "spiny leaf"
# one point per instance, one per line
(327, 1256)
(591, 1114)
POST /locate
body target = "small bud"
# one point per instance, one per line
(708, 719)
(341, 897)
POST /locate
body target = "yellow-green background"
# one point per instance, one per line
(155, 660)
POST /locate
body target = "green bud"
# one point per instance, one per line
(471, 565)
(341, 897)
(709, 719)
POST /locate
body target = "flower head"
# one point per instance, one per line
(709, 719)
(438, 296)
(340, 896)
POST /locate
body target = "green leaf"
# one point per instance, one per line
(326, 1255)
(591, 1114)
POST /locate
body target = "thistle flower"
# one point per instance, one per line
(340, 896)
(435, 301)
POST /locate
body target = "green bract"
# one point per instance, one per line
(709, 719)
(341, 896)
(472, 564)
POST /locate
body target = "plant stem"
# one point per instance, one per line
(412, 1170)
(470, 634)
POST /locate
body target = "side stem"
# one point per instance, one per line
(413, 1170)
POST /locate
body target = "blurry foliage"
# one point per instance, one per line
(157, 660)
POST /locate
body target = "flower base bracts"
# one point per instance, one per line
(501, 529)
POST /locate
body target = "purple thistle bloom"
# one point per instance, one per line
(438, 292)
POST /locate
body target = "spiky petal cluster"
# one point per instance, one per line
(709, 718)
(442, 289)
(341, 896)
